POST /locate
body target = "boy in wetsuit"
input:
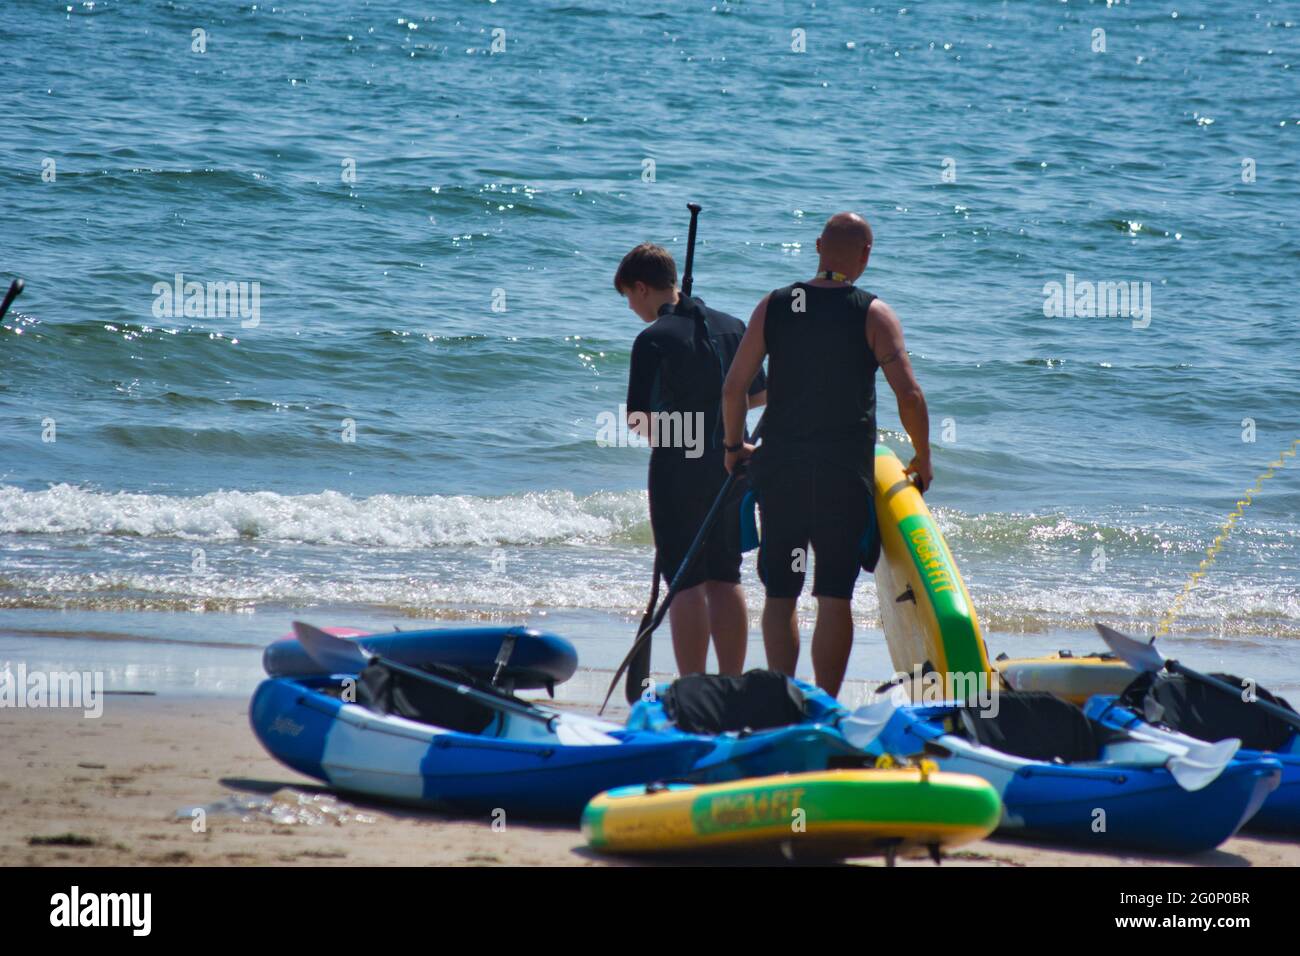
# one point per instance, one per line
(674, 396)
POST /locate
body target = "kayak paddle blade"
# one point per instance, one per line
(638, 672)
(15, 289)
(1136, 654)
(1194, 763)
(1146, 657)
(864, 725)
(332, 653)
(1200, 768)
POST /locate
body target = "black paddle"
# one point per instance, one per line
(688, 276)
(348, 657)
(1146, 657)
(637, 662)
(16, 287)
(639, 668)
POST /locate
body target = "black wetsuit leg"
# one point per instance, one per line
(812, 511)
(680, 498)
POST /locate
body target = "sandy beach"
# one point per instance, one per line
(107, 791)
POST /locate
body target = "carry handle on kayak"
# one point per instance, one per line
(504, 653)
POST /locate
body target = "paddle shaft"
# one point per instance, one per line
(1145, 656)
(697, 545)
(1281, 713)
(16, 287)
(489, 700)
(643, 636)
(688, 274)
(340, 656)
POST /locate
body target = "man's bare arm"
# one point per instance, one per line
(885, 338)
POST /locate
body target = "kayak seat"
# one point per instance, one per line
(384, 690)
(1206, 713)
(1035, 726)
(717, 704)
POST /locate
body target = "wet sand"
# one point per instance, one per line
(106, 792)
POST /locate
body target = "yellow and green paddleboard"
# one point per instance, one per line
(925, 612)
(832, 814)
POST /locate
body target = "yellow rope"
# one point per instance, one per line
(1225, 530)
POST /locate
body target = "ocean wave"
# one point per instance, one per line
(617, 584)
(556, 516)
(329, 518)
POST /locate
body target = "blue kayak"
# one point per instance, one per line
(1066, 778)
(517, 657)
(1186, 709)
(525, 766)
(388, 733)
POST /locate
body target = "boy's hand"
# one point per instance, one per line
(737, 458)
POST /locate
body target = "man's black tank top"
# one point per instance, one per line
(821, 377)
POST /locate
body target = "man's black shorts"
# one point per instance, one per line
(681, 494)
(828, 507)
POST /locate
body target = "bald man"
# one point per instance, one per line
(813, 475)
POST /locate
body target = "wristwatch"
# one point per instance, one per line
(732, 449)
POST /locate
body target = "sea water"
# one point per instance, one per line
(319, 320)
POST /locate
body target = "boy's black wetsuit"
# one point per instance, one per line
(813, 474)
(679, 362)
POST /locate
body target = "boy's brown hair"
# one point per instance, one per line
(647, 263)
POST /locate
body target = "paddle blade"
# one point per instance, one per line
(332, 653)
(1194, 763)
(1136, 654)
(638, 672)
(864, 725)
(15, 288)
(1200, 768)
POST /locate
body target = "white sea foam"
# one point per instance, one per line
(388, 521)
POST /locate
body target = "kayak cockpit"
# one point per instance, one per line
(401, 699)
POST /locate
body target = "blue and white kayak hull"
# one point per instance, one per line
(526, 769)
(1128, 798)
(1281, 809)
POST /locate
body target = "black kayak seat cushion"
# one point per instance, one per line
(1206, 712)
(1035, 726)
(714, 704)
(385, 690)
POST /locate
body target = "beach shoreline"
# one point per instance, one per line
(115, 791)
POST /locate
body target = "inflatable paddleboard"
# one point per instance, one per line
(831, 814)
(520, 657)
(1074, 678)
(927, 616)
